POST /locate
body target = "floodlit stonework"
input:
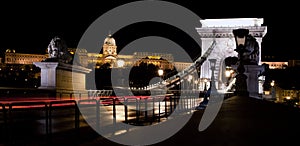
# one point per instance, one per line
(221, 30)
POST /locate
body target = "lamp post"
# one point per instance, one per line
(196, 84)
(189, 79)
(228, 75)
(273, 93)
(160, 73)
(272, 83)
(205, 84)
(212, 67)
(212, 88)
(240, 36)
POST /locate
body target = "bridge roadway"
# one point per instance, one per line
(240, 121)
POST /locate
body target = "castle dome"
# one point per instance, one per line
(109, 40)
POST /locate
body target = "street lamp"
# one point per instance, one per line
(160, 72)
(272, 83)
(273, 93)
(228, 74)
(240, 36)
(205, 84)
(212, 67)
(196, 84)
(207, 93)
(189, 79)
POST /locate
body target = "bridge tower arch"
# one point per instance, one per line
(221, 31)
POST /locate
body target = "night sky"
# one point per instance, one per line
(29, 27)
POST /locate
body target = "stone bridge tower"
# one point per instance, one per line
(221, 30)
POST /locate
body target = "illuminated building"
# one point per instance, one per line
(108, 55)
(11, 57)
(276, 65)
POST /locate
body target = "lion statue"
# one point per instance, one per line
(58, 51)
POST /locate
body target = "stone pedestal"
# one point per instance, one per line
(62, 78)
(48, 74)
(241, 85)
(252, 72)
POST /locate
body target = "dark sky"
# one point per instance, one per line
(29, 26)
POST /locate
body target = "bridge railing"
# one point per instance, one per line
(3, 123)
(23, 112)
(99, 93)
(53, 113)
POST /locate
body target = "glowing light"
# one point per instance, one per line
(227, 73)
(267, 92)
(190, 77)
(160, 72)
(272, 83)
(154, 57)
(120, 63)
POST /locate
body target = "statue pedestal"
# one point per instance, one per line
(62, 78)
(252, 72)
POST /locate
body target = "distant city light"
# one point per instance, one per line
(190, 77)
(120, 63)
(267, 92)
(160, 72)
(272, 83)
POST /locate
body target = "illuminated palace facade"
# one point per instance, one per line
(11, 57)
(108, 55)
